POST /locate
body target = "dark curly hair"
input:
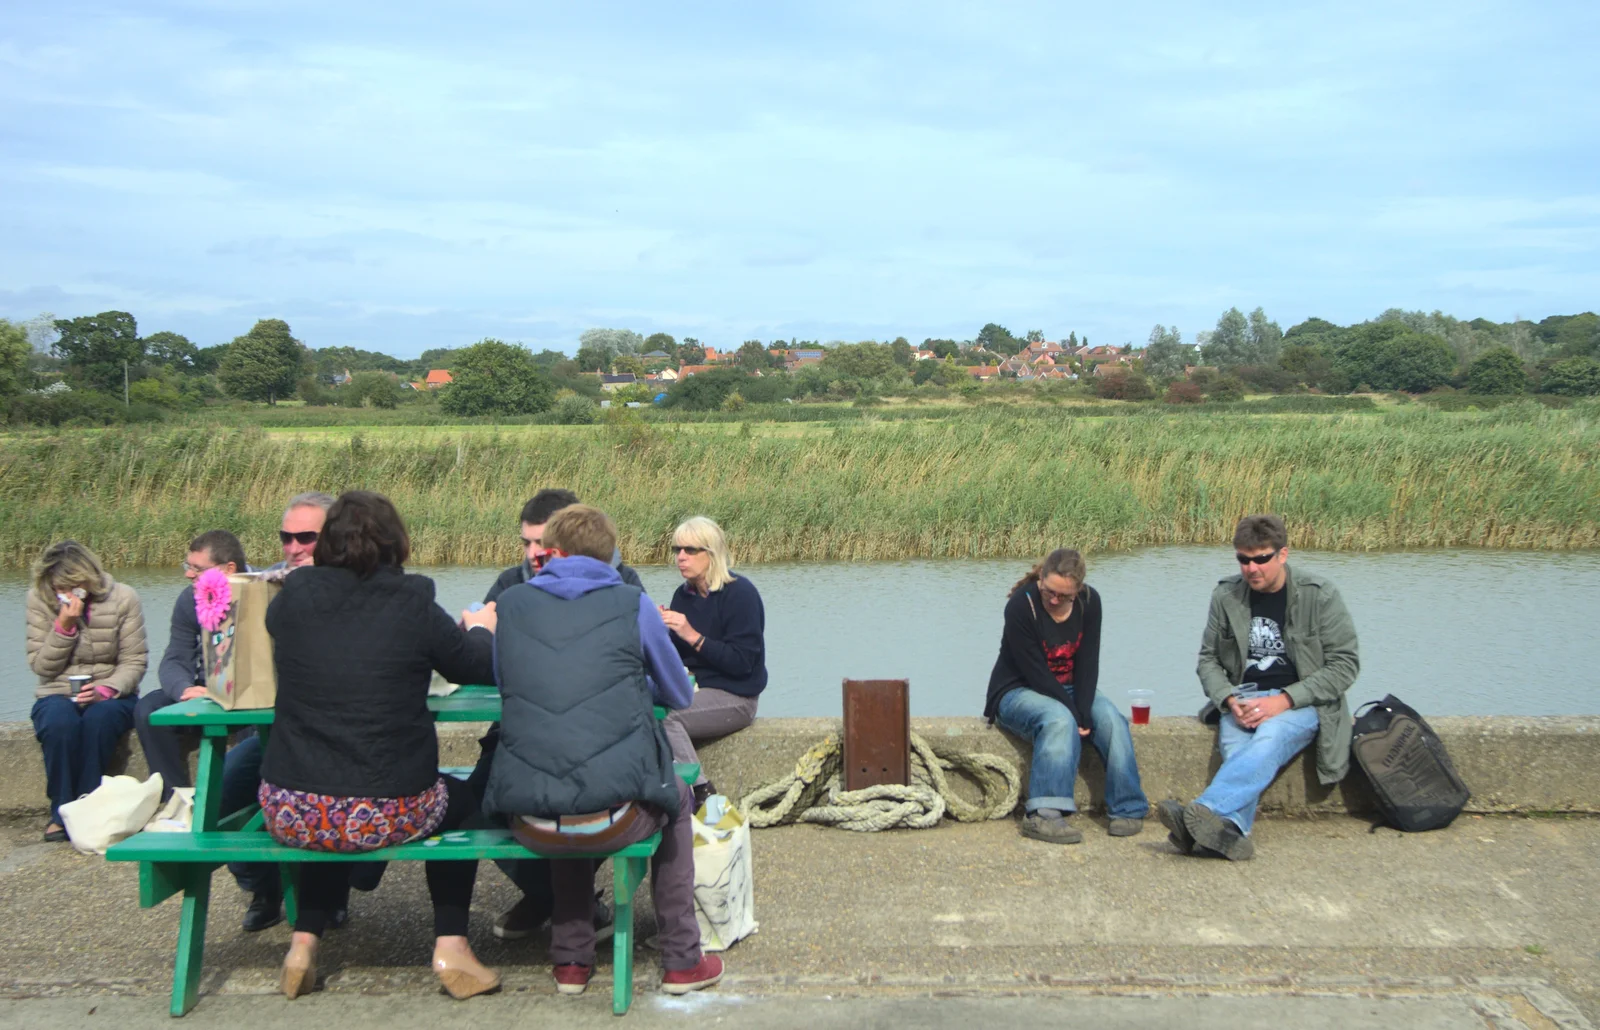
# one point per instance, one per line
(363, 533)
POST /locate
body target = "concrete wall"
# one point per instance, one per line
(1548, 764)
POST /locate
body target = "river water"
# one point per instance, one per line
(1451, 632)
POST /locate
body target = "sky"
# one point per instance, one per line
(403, 176)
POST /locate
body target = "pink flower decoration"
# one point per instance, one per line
(212, 596)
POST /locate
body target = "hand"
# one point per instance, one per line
(678, 623)
(71, 612)
(86, 696)
(191, 693)
(1084, 731)
(486, 617)
(1261, 709)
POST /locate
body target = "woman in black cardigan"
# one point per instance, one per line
(1043, 689)
(353, 762)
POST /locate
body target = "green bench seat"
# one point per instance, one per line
(172, 863)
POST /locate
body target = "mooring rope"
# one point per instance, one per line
(811, 793)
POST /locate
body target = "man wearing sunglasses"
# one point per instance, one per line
(1278, 654)
(532, 876)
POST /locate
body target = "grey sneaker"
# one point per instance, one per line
(1171, 815)
(1053, 831)
(1210, 830)
(1126, 827)
(521, 919)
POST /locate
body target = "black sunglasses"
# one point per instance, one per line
(687, 549)
(1258, 559)
(308, 537)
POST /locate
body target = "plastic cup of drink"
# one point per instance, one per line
(1139, 705)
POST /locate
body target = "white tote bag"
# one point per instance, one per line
(118, 808)
(724, 880)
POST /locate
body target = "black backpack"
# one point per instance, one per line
(1416, 785)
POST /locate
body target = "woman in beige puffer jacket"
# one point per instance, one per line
(96, 632)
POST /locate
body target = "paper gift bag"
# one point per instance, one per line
(238, 651)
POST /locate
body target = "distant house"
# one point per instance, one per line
(981, 372)
(924, 355)
(800, 358)
(655, 355)
(711, 355)
(1057, 373)
(437, 378)
(1099, 354)
(668, 375)
(418, 385)
(615, 382)
(685, 371)
(341, 378)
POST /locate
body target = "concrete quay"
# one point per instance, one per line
(1512, 764)
(1493, 922)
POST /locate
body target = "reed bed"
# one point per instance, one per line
(990, 486)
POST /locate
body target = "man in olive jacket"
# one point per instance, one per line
(1278, 654)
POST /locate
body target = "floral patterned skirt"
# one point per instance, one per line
(322, 822)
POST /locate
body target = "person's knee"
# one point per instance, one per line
(55, 716)
(112, 718)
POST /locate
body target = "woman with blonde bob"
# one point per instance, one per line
(86, 644)
(719, 627)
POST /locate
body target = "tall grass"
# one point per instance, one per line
(991, 483)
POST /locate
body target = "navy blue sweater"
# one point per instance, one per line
(734, 654)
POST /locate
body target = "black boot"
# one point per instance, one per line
(265, 910)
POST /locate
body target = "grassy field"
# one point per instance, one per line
(985, 483)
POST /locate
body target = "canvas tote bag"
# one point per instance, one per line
(238, 649)
(118, 808)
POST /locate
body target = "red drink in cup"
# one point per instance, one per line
(1139, 706)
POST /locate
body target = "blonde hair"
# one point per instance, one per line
(699, 531)
(65, 565)
(581, 529)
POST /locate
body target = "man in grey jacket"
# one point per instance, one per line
(180, 671)
(1278, 654)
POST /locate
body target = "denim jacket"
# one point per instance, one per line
(1321, 641)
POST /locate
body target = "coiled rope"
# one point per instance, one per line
(811, 793)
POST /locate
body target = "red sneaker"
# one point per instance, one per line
(682, 981)
(572, 978)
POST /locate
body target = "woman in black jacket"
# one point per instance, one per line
(353, 762)
(1043, 688)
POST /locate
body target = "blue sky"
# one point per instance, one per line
(396, 178)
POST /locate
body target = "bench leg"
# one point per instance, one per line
(191, 941)
(288, 877)
(627, 874)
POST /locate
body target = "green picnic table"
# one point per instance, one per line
(172, 863)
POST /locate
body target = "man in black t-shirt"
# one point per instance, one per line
(1278, 654)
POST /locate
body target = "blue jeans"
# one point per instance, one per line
(78, 743)
(1251, 758)
(1053, 730)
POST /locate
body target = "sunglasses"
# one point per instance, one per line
(687, 549)
(308, 537)
(1258, 559)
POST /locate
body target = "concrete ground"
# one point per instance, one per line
(1494, 922)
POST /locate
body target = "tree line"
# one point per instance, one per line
(98, 368)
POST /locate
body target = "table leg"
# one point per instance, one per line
(191, 941)
(197, 891)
